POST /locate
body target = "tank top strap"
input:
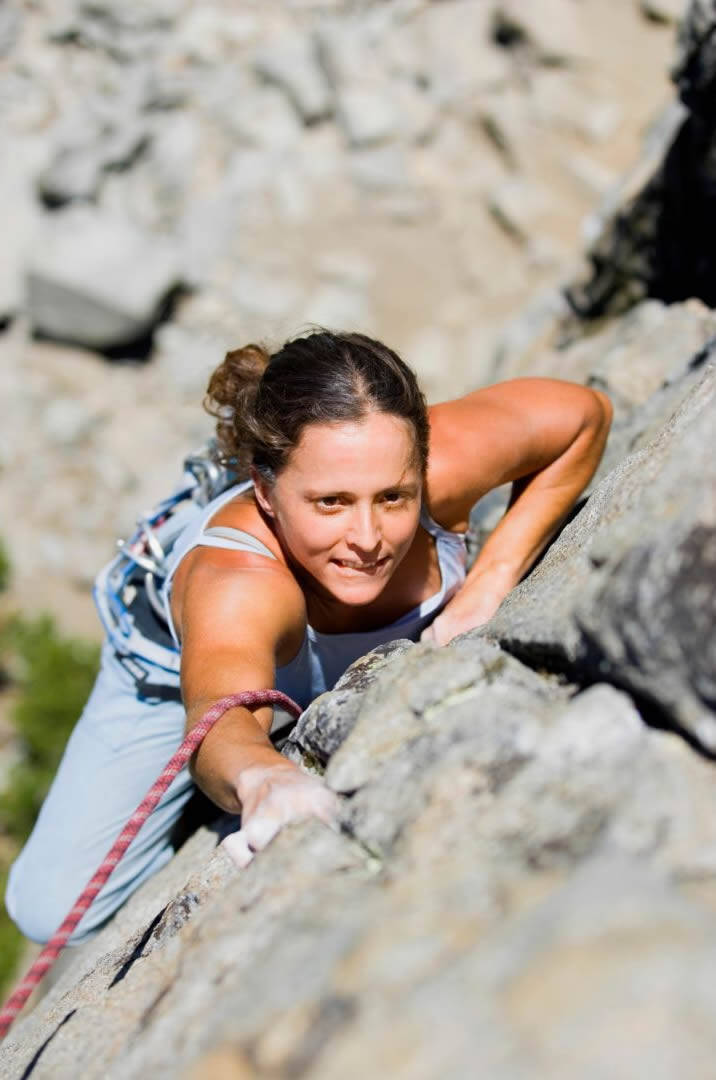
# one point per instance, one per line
(438, 531)
(238, 540)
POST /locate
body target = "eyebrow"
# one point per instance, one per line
(408, 488)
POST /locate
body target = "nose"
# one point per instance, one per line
(364, 533)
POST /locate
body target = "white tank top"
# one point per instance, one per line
(323, 658)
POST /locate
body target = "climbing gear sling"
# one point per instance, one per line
(127, 592)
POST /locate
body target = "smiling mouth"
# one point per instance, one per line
(366, 568)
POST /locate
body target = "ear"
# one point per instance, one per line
(262, 491)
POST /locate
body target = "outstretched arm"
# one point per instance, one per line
(234, 621)
(543, 435)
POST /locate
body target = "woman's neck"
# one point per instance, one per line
(417, 578)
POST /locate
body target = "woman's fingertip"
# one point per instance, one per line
(238, 850)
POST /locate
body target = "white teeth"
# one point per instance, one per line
(358, 566)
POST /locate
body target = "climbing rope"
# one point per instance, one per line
(53, 948)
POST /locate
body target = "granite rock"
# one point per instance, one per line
(97, 280)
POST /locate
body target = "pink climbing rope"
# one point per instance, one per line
(53, 948)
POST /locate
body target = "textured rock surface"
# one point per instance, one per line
(523, 884)
(629, 588)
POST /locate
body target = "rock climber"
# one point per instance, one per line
(347, 531)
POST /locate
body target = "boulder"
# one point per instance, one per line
(456, 59)
(367, 115)
(96, 280)
(76, 172)
(372, 104)
(292, 64)
(20, 227)
(125, 32)
(551, 29)
(518, 207)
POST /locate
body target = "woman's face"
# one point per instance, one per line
(347, 503)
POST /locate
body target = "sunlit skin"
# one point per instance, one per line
(345, 510)
(342, 521)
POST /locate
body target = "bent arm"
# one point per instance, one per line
(547, 438)
(233, 620)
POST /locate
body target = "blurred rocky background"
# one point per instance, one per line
(524, 887)
(178, 177)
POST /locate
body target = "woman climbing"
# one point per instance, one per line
(348, 533)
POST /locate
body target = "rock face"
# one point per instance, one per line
(523, 884)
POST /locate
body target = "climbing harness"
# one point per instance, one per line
(53, 948)
(127, 592)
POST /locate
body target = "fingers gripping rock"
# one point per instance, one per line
(272, 797)
(237, 847)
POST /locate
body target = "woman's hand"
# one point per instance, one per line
(475, 604)
(272, 796)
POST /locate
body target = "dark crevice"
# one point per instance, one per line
(51, 202)
(656, 716)
(661, 243)
(583, 673)
(137, 951)
(175, 916)
(139, 350)
(704, 354)
(53, 199)
(198, 812)
(147, 1016)
(38, 1054)
(689, 78)
(507, 33)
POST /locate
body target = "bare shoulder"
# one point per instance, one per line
(242, 513)
(237, 599)
(500, 433)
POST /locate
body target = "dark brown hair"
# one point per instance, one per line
(263, 402)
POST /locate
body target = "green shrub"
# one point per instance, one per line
(12, 943)
(4, 568)
(52, 676)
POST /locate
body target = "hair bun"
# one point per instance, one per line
(230, 397)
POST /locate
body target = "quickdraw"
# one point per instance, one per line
(127, 592)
